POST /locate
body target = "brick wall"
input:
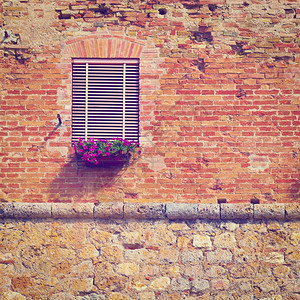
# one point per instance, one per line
(219, 99)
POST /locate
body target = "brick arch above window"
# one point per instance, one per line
(111, 46)
(105, 47)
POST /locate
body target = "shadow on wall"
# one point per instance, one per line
(77, 182)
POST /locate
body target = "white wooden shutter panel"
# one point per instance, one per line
(105, 101)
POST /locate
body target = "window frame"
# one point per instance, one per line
(130, 104)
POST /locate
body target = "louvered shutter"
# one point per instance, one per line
(105, 99)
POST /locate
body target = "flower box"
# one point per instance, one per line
(104, 152)
(104, 161)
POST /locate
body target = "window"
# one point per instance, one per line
(105, 98)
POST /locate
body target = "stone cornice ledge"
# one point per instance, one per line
(170, 211)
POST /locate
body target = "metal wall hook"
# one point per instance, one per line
(59, 120)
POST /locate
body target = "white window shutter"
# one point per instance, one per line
(105, 99)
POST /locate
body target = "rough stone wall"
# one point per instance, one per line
(219, 99)
(115, 251)
(148, 259)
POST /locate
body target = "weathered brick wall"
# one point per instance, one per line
(219, 99)
(144, 254)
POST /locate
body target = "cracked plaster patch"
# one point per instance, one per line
(258, 162)
(156, 163)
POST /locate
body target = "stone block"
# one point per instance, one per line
(216, 271)
(202, 241)
(138, 286)
(147, 295)
(180, 284)
(220, 284)
(93, 296)
(109, 210)
(269, 211)
(209, 211)
(132, 239)
(117, 296)
(295, 238)
(65, 296)
(168, 255)
(221, 256)
(281, 271)
(179, 211)
(292, 211)
(72, 210)
(191, 256)
(112, 253)
(225, 240)
(144, 211)
(13, 296)
(293, 255)
(160, 283)
(183, 242)
(88, 252)
(193, 270)
(232, 211)
(127, 269)
(35, 210)
(6, 210)
(81, 285)
(199, 285)
(26, 210)
(274, 258)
